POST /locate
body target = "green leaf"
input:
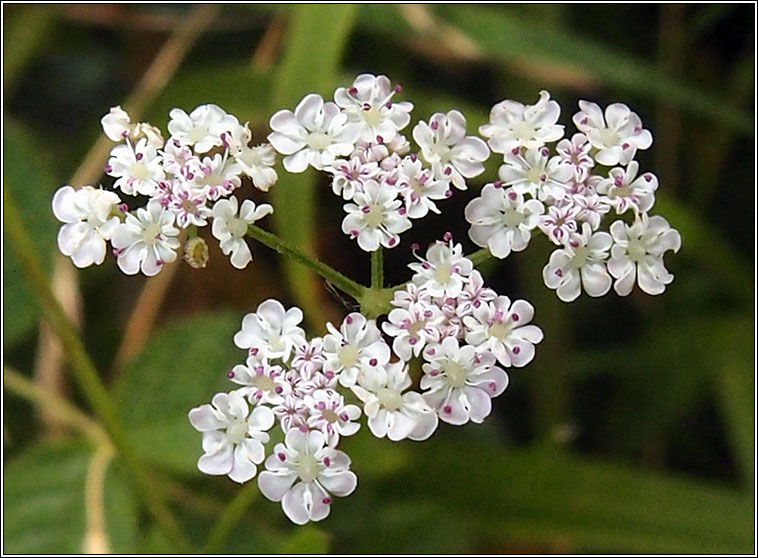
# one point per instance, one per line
(183, 366)
(44, 502)
(316, 38)
(27, 172)
(307, 540)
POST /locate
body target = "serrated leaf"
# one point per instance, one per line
(44, 502)
(182, 366)
(28, 174)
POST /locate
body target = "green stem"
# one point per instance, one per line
(84, 370)
(480, 256)
(229, 517)
(377, 269)
(343, 283)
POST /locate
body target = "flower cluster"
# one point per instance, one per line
(188, 180)
(566, 194)
(440, 348)
(464, 333)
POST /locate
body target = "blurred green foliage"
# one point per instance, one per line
(633, 430)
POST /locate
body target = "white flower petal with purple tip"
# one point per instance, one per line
(443, 271)
(146, 241)
(202, 128)
(535, 173)
(357, 345)
(626, 190)
(328, 413)
(137, 168)
(230, 228)
(375, 218)
(617, 134)
(271, 331)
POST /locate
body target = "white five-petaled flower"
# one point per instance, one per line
(626, 190)
(581, 263)
(257, 162)
(147, 240)
(308, 357)
(461, 382)
(315, 134)
(391, 410)
(513, 125)
(637, 252)
(271, 331)
(329, 414)
(233, 436)
(116, 124)
(559, 222)
(473, 295)
(263, 383)
(348, 176)
(617, 135)
(187, 203)
(419, 187)
(502, 220)
(202, 128)
(230, 229)
(358, 344)
(370, 110)
(303, 473)
(592, 208)
(454, 156)
(536, 173)
(219, 176)
(375, 217)
(87, 214)
(504, 329)
(576, 152)
(413, 328)
(137, 168)
(444, 271)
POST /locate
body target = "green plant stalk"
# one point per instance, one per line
(85, 372)
(480, 256)
(230, 516)
(342, 282)
(377, 269)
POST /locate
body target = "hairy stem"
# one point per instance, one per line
(377, 269)
(342, 282)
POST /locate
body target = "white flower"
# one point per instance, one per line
(473, 295)
(461, 383)
(625, 190)
(188, 204)
(444, 144)
(559, 223)
(316, 134)
(411, 295)
(179, 160)
(501, 327)
(231, 229)
(358, 344)
(116, 124)
(375, 218)
(413, 328)
(87, 214)
(202, 128)
(264, 383)
(147, 240)
(576, 152)
(349, 175)
(370, 110)
(638, 252)
(502, 220)
(321, 472)
(218, 176)
(271, 330)
(618, 135)
(592, 208)
(137, 168)
(581, 263)
(329, 414)
(233, 437)
(309, 357)
(256, 162)
(536, 174)
(513, 125)
(391, 411)
(444, 271)
(419, 187)
(292, 413)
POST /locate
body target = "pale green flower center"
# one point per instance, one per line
(609, 137)
(307, 469)
(389, 399)
(512, 218)
(237, 227)
(523, 130)
(456, 374)
(442, 273)
(318, 141)
(237, 430)
(151, 233)
(264, 383)
(139, 171)
(636, 250)
(372, 116)
(375, 216)
(347, 355)
(499, 330)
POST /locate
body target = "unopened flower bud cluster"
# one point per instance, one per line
(445, 332)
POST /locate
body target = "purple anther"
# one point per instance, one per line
(327, 462)
(512, 195)
(259, 369)
(625, 145)
(253, 351)
(448, 193)
(543, 177)
(278, 390)
(515, 151)
(584, 120)
(281, 456)
(448, 171)
(545, 152)
(413, 157)
(329, 374)
(477, 303)
(516, 350)
(123, 208)
(379, 139)
(138, 156)
(107, 168)
(434, 125)
(353, 91)
(353, 234)
(366, 209)
(402, 211)
(431, 351)
(366, 106)
(125, 134)
(230, 374)
(303, 428)
(349, 320)
(447, 237)
(415, 246)
(321, 405)
(392, 241)
(388, 104)
(398, 88)
(434, 372)
(648, 178)
(344, 417)
(493, 386)
(574, 243)
(413, 340)
(159, 262)
(498, 184)
(373, 362)
(326, 500)
(414, 197)
(514, 317)
(559, 272)
(428, 313)
(425, 265)
(447, 409)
